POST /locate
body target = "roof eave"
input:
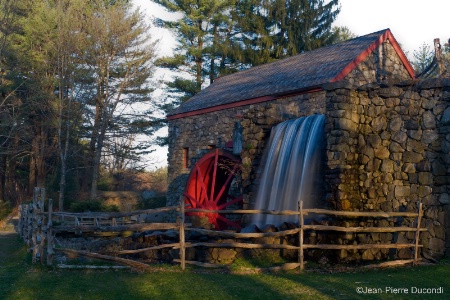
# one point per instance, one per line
(244, 102)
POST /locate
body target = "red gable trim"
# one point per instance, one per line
(239, 103)
(387, 35)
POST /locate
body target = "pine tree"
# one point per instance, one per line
(422, 58)
(200, 35)
(218, 37)
(301, 25)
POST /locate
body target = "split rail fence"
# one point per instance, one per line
(38, 228)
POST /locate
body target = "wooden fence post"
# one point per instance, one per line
(37, 238)
(182, 236)
(300, 238)
(416, 242)
(20, 226)
(34, 226)
(50, 242)
(29, 224)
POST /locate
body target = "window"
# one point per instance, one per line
(185, 158)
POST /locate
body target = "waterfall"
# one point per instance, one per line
(291, 171)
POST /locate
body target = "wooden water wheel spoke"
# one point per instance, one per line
(230, 176)
(213, 184)
(233, 224)
(192, 199)
(231, 202)
(204, 192)
(208, 186)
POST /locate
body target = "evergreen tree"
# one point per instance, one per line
(218, 37)
(199, 34)
(73, 72)
(422, 58)
(301, 25)
(120, 54)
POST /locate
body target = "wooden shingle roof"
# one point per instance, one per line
(302, 72)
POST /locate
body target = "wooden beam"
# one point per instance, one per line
(361, 229)
(361, 246)
(244, 235)
(104, 215)
(241, 245)
(117, 228)
(123, 261)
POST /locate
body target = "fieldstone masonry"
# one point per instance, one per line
(387, 147)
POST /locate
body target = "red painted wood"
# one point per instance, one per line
(213, 185)
(207, 186)
(386, 36)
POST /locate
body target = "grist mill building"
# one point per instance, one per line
(387, 134)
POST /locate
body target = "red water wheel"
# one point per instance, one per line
(208, 187)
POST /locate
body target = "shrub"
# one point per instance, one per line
(5, 209)
(154, 202)
(85, 206)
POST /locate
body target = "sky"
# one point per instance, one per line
(412, 22)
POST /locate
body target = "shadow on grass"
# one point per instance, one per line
(21, 280)
(393, 283)
(13, 262)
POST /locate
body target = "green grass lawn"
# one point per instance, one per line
(21, 280)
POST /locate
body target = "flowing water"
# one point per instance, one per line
(292, 169)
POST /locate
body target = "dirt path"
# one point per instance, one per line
(9, 242)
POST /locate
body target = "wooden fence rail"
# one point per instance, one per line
(38, 228)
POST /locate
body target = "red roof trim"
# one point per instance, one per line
(387, 35)
(239, 103)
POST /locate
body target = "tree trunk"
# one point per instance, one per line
(96, 164)
(62, 186)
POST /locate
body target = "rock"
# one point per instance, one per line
(390, 92)
(382, 153)
(424, 191)
(445, 119)
(250, 229)
(428, 120)
(374, 140)
(429, 136)
(387, 166)
(415, 134)
(425, 178)
(269, 228)
(402, 191)
(148, 194)
(395, 124)
(396, 148)
(412, 157)
(444, 198)
(436, 245)
(404, 254)
(409, 168)
(379, 123)
(223, 255)
(367, 255)
(399, 137)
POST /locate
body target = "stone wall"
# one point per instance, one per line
(202, 133)
(388, 148)
(388, 142)
(381, 65)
